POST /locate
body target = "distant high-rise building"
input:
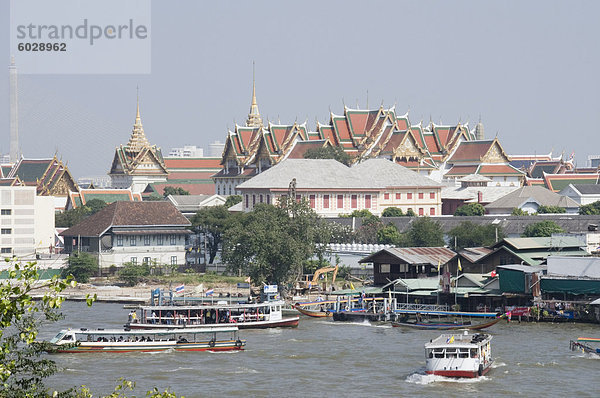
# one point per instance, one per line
(14, 112)
(216, 149)
(188, 151)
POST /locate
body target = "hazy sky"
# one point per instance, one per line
(530, 69)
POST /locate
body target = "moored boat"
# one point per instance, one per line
(267, 314)
(459, 355)
(447, 325)
(584, 344)
(122, 340)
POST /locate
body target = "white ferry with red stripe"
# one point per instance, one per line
(459, 355)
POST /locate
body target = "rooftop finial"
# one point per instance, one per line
(254, 119)
(138, 139)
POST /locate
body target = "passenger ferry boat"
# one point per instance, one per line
(587, 345)
(245, 316)
(119, 340)
(459, 355)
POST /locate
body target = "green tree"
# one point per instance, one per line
(410, 213)
(517, 211)
(94, 206)
(174, 191)
(329, 152)
(271, 243)
(212, 221)
(468, 234)
(232, 200)
(68, 218)
(470, 209)
(543, 209)
(542, 229)
(392, 212)
(592, 209)
(132, 273)
(81, 266)
(389, 235)
(425, 232)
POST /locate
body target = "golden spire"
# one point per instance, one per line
(254, 119)
(138, 139)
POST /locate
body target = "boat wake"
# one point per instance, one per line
(497, 365)
(245, 371)
(424, 379)
(586, 356)
(179, 369)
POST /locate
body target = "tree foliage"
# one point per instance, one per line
(212, 221)
(232, 200)
(329, 152)
(389, 235)
(468, 234)
(271, 243)
(132, 273)
(543, 209)
(392, 212)
(517, 211)
(68, 218)
(410, 213)
(470, 209)
(174, 191)
(81, 266)
(425, 232)
(592, 209)
(542, 229)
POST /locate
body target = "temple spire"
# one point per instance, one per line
(138, 139)
(254, 119)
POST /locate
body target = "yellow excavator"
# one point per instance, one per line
(314, 283)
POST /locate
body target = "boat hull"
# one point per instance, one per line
(123, 348)
(459, 373)
(314, 314)
(284, 322)
(447, 326)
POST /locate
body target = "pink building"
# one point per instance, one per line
(332, 188)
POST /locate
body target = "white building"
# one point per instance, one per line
(188, 151)
(131, 232)
(26, 222)
(332, 188)
(584, 194)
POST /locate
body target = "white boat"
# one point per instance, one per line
(245, 316)
(459, 355)
(122, 340)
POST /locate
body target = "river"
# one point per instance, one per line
(330, 359)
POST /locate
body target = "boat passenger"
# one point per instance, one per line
(153, 317)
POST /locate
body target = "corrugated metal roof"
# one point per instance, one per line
(543, 242)
(416, 255)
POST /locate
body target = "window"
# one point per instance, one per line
(268, 199)
(386, 196)
(146, 261)
(312, 200)
(409, 195)
(398, 196)
(146, 240)
(132, 240)
(432, 211)
(420, 195)
(326, 201)
(261, 198)
(134, 260)
(385, 269)
(6, 212)
(173, 260)
(247, 200)
(173, 239)
(253, 200)
(431, 195)
(6, 231)
(367, 201)
(354, 201)
(119, 240)
(159, 239)
(340, 201)
(298, 198)
(420, 211)
(6, 250)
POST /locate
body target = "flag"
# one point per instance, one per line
(450, 340)
(493, 274)
(209, 292)
(439, 265)
(180, 289)
(247, 280)
(459, 266)
(351, 286)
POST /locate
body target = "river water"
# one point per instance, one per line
(330, 359)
